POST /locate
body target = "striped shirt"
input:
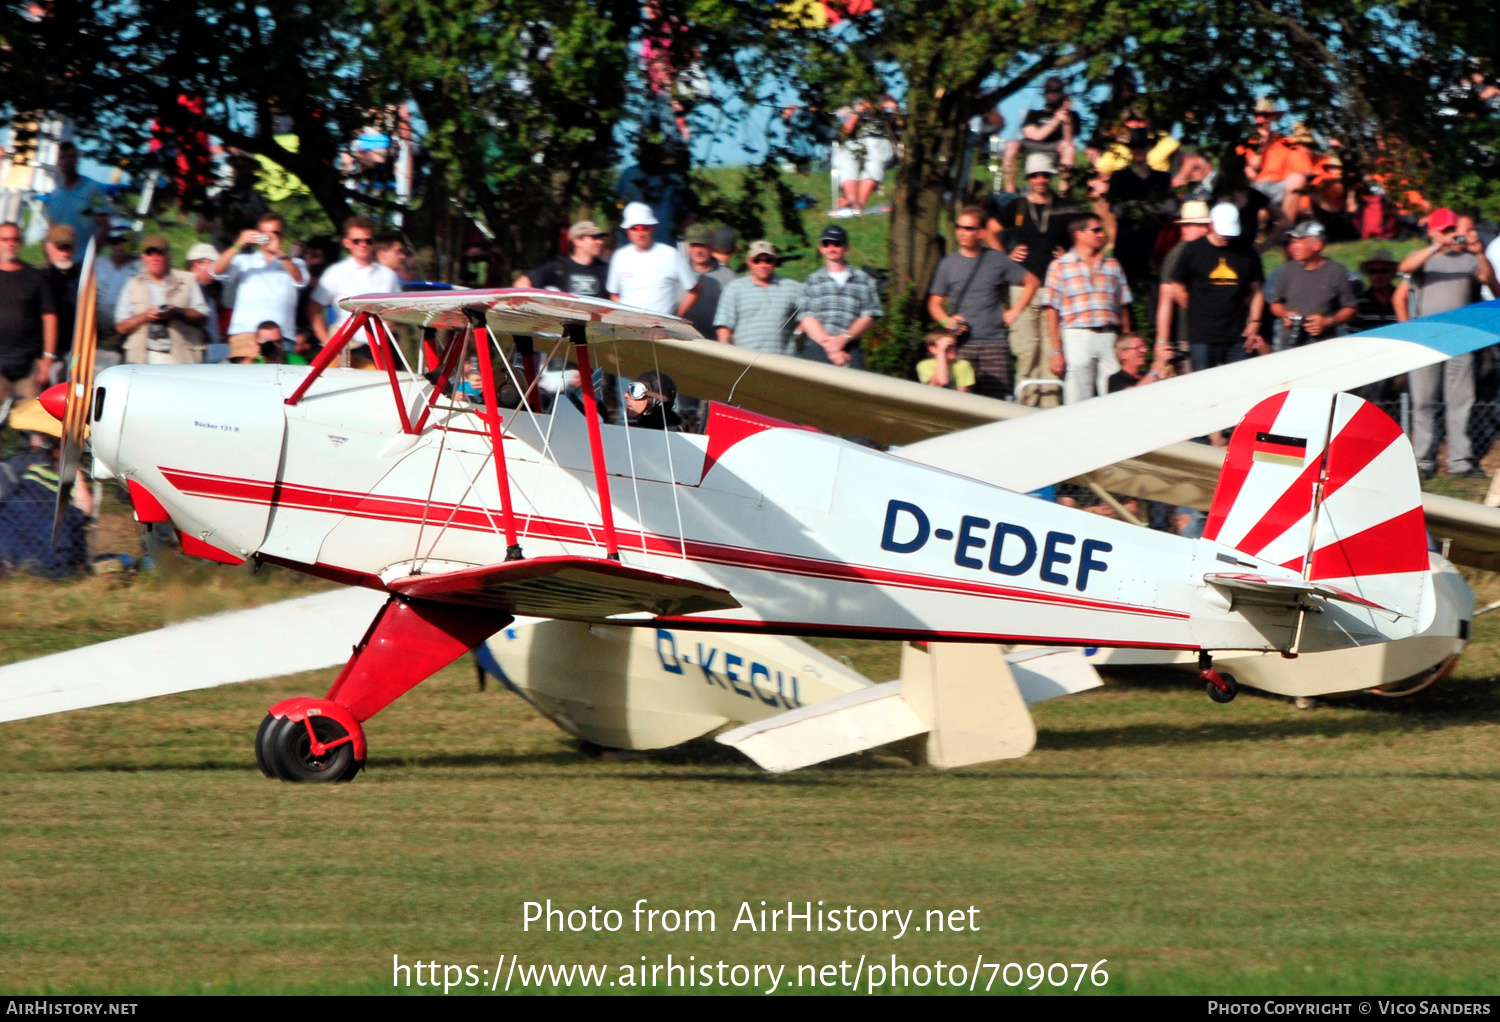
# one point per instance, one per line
(761, 318)
(1083, 299)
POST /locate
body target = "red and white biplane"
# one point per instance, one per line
(464, 515)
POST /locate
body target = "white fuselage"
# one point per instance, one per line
(810, 533)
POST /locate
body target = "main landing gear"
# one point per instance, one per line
(1221, 688)
(308, 739)
(304, 745)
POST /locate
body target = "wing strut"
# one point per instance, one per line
(577, 333)
(497, 433)
(329, 353)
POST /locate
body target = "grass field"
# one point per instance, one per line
(1199, 848)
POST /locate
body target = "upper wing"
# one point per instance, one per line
(522, 310)
(1078, 439)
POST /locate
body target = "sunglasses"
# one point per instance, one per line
(763, 259)
(1091, 230)
(154, 251)
(967, 227)
(833, 244)
(640, 392)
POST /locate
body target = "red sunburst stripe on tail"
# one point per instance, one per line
(1364, 438)
(1237, 464)
(1396, 545)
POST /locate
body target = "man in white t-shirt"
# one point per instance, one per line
(266, 284)
(360, 274)
(646, 274)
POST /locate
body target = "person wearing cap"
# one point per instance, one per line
(1375, 303)
(583, 271)
(28, 322)
(839, 304)
(968, 296)
(1311, 294)
(1446, 274)
(76, 201)
(161, 313)
(267, 283)
(359, 273)
(1034, 230)
(1218, 280)
(1192, 224)
(200, 263)
(63, 273)
(646, 273)
(725, 240)
(1051, 130)
(698, 238)
(760, 311)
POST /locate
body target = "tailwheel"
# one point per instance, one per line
(314, 749)
(1221, 688)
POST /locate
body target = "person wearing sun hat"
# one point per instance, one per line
(1218, 279)
(1192, 223)
(647, 273)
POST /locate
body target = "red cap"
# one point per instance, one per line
(1442, 219)
(55, 400)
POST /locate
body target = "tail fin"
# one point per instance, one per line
(1326, 484)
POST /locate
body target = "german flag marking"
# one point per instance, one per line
(1279, 450)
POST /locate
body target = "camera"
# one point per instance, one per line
(157, 330)
(1296, 333)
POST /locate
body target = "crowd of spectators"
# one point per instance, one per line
(1090, 264)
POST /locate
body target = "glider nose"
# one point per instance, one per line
(55, 400)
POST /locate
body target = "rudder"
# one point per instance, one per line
(1330, 475)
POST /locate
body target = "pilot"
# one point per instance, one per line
(649, 401)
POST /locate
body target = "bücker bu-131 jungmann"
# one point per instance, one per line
(467, 514)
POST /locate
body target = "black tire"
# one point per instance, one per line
(294, 758)
(1225, 695)
(265, 754)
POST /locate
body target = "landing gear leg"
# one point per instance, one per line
(305, 739)
(1221, 688)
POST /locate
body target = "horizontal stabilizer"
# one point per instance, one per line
(963, 696)
(851, 723)
(1046, 672)
(568, 588)
(1288, 592)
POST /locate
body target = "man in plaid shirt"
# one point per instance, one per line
(839, 303)
(1086, 303)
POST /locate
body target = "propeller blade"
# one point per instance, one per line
(80, 390)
